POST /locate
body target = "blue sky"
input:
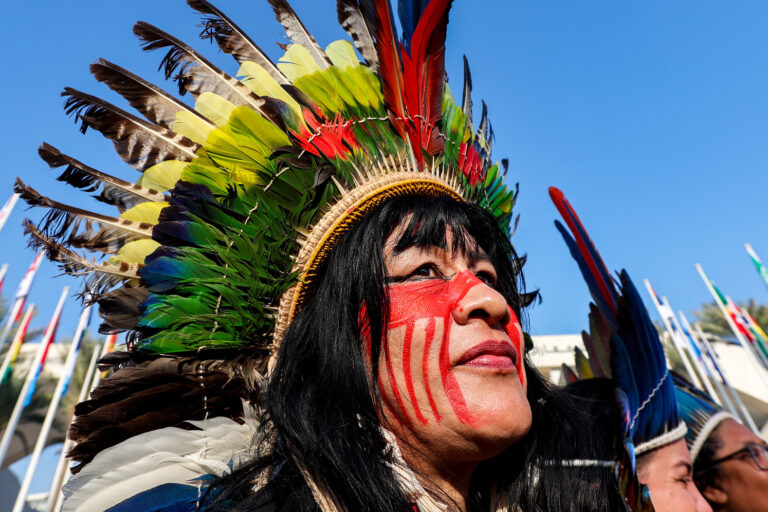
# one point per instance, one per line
(652, 117)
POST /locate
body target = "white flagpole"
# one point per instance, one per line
(21, 296)
(13, 350)
(672, 334)
(744, 344)
(703, 372)
(3, 271)
(27, 389)
(5, 212)
(61, 475)
(734, 393)
(61, 389)
(708, 374)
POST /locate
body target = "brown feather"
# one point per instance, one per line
(140, 143)
(297, 32)
(196, 74)
(114, 191)
(154, 103)
(101, 276)
(360, 28)
(232, 40)
(72, 226)
(151, 392)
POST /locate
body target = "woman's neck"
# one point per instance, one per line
(447, 482)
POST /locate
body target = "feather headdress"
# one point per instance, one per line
(700, 412)
(622, 345)
(217, 245)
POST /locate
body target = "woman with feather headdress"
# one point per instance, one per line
(315, 272)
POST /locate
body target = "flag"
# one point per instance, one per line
(3, 272)
(48, 337)
(82, 326)
(761, 269)
(13, 351)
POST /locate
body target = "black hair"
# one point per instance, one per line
(321, 412)
(704, 473)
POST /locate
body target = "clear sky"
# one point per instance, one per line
(651, 116)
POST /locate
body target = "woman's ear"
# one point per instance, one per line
(715, 495)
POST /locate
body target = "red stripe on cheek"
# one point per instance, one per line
(407, 371)
(450, 385)
(429, 335)
(393, 386)
(515, 333)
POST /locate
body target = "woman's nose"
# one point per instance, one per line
(482, 302)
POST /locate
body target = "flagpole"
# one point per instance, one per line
(18, 339)
(58, 394)
(5, 212)
(28, 389)
(3, 272)
(21, 296)
(675, 341)
(688, 330)
(751, 356)
(695, 357)
(734, 392)
(91, 378)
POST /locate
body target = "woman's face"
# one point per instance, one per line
(740, 483)
(451, 371)
(667, 471)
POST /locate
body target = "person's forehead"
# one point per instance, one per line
(734, 436)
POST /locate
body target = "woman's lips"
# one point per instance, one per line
(490, 354)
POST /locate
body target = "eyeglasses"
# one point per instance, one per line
(758, 452)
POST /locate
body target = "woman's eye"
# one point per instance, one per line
(425, 271)
(486, 277)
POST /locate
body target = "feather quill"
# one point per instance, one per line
(114, 191)
(140, 143)
(232, 40)
(65, 222)
(297, 32)
(353, 19)
(154, 103)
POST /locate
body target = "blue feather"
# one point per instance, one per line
(165, 497)
(409, 12)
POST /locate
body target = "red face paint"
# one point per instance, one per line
(433, 301)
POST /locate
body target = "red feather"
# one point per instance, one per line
(413, 83)
(571, 219)
(390, 67)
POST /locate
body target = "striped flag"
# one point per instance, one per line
(48, 337)
(13, 351)
(21, 297)
(761, 269)
(82, 326)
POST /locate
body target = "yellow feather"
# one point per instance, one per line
(136, 251)
(342, 54)
(297, 62)
(582, 365)
(257, 79)
(162, 176)
(148, 212)
(214, 107)
(191, 126)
